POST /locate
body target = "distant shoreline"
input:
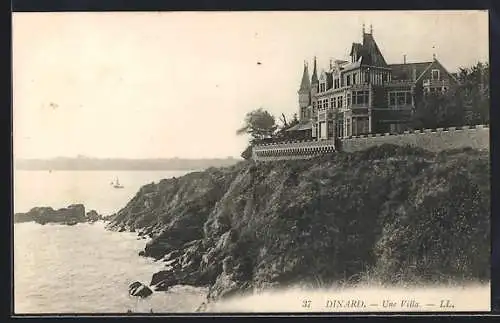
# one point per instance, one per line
(89, 164)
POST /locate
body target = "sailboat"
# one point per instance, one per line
(117, 184)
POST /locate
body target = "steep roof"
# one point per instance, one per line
(301, 126)
(436, 62)
(305, 85)
(370, 53)
(315, 73)
(329, 80)
(355, 48)
(405, 71)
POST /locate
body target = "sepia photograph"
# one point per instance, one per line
(251, 162)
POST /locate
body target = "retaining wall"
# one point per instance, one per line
(477, 137)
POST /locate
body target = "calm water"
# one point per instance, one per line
(84, 268)
(92, 188)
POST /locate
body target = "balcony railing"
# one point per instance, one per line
(435, 83)
(399, 83)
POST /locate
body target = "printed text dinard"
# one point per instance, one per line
(400, 304)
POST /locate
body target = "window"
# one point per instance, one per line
(322, 127)
(392, 99)
(400, 98)
(363, 127)
(303, 113)
(336, 83)
(333, 102)
(314, 106)
(360, 97)
(325, 103)
(348, 80)
(330, 129)
(322, 87)
(348, 100)
(339, 104)
(340, 128)
(435, 74)
(320, 105)
(354, 78)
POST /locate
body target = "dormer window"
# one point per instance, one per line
(322, 87)
(435, 74)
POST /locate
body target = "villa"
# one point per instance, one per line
(364, 102)
(365, 95)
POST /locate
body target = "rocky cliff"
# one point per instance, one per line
(388, 214)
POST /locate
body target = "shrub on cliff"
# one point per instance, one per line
(442, 232)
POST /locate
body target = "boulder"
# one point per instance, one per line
(92, 216)
(164, 279)
(138, 289)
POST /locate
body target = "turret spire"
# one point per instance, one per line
(315, 73)
(305, 86)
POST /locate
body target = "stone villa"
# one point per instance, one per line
(365, 95)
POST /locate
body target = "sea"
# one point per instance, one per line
(86, 268)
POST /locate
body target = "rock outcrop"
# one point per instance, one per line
(388, 213)
(93, 216)
(70, 215)
(139, 289)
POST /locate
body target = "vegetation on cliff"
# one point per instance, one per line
(388, 214)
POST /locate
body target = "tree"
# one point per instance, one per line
(474, 93)
(247, 153)
(260, 124)
(286, 125)
(438, 110)
(467, 103)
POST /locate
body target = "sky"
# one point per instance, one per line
(178, 84)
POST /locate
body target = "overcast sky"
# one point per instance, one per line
(145, 85)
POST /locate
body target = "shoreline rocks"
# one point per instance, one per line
(71, 215)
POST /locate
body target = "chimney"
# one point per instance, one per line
(404, 59)
(414, 73)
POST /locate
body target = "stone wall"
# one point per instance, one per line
(477, 137)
